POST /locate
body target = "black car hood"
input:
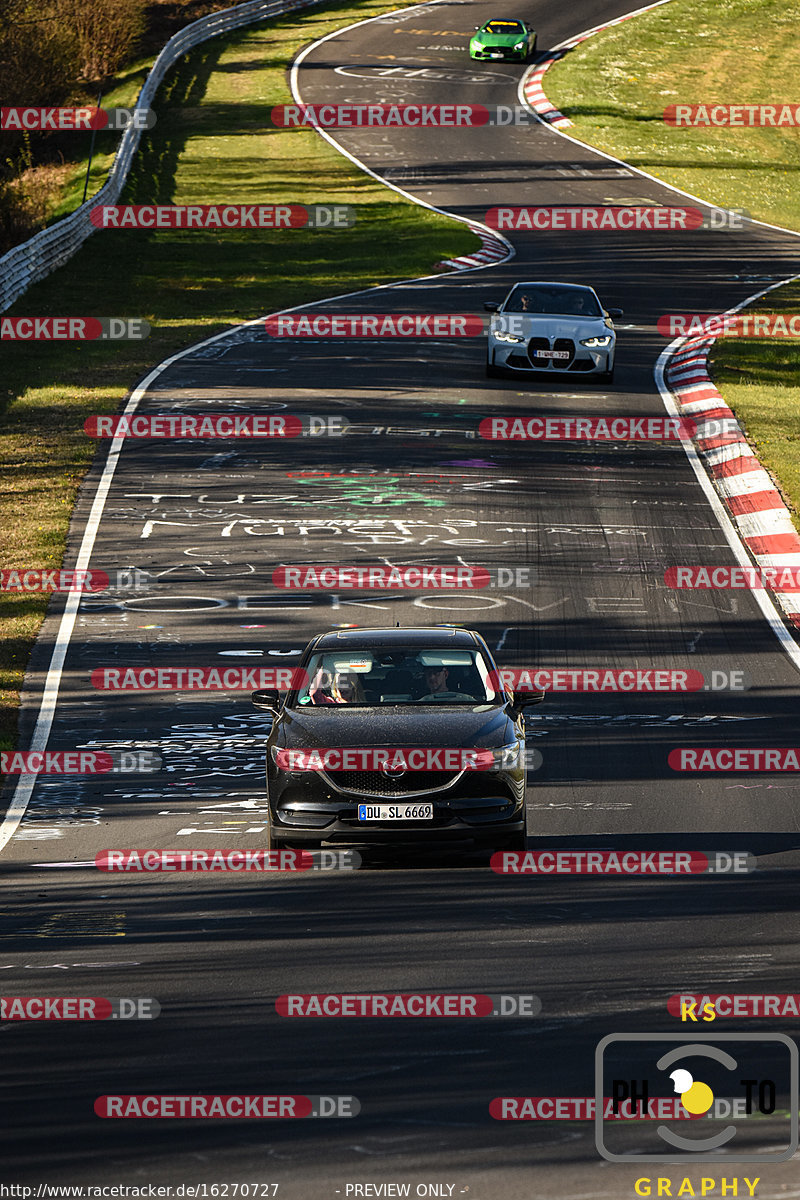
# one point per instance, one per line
(429, 725)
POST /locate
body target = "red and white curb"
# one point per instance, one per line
(534, 95)
(492, 250)
(532, 89)
(749, 494)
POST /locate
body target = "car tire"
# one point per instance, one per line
(493, 372)
(607, 376)
(535, 44)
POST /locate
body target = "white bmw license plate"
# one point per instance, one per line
(395, 812)
(551, 354)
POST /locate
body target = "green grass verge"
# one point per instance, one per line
(211, 143)
(615, 87)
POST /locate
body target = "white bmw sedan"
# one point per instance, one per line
(561, 328)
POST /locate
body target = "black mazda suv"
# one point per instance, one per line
(396, 736)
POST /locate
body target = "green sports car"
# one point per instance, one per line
(503, 39)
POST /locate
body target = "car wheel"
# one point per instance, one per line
(535, 44)
(493, 372)
(607, 376)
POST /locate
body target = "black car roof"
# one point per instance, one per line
(432, 638)
(552, 283)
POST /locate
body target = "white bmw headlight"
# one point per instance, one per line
(604, 340)
(506, 337)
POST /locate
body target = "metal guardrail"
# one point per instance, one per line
(44, 252)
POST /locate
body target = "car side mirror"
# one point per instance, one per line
(491, 306)
(526, 700)
(266, 701)
(615, 312)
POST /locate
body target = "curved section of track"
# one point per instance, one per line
(409, 480)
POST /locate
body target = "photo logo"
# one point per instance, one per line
(387, 116)
(628, 218)
(694, 1007)
(586, 429)
(317, 577)
(76, 119)
(73, 329)
(407, 1004)
(211, 425)
(77, 1008)
(79, 762)
(197, 679)
(728, 1084)
(200, 1107)
(223, 216)
(743, 324)
(371, 325)
(776, 116)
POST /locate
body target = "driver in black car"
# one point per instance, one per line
(436, 683)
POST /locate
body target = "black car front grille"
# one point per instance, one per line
(558, 364)
(375, 783)
(561, 364)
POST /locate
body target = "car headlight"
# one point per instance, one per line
(507, 758)
(520, 45)
(506, 337)
(603, 340)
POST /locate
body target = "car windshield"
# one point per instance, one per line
(554, 301)
(503, 27)
(398, 676)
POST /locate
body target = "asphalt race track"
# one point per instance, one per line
(409, 481)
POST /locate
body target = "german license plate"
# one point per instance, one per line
(551, 354)
(395, 812)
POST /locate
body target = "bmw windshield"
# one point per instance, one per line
(553, 301)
